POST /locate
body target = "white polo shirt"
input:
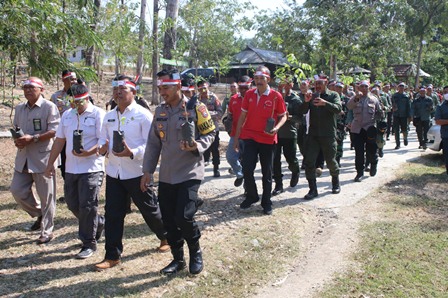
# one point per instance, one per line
(90, 122)
(135, 122)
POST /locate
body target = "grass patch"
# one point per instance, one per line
(405, 253)
(241, 253)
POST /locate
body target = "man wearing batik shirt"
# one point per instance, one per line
(263, 112)
(123, 136)
(85, 168)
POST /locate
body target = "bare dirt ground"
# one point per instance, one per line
(328, 229)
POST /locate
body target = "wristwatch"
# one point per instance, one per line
(36, 138)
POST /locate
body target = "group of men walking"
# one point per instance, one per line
(183, 132)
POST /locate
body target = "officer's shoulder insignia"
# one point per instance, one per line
(162, 134)
(203, 110)
(162, 114)
(160, 126)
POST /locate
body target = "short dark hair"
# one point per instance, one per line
(187, 82)
(122, 77)
(245, 79)
(445, 87)
(66, 72)
(201, 82)
(167, 72)
(77, 89)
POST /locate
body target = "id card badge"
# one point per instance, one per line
(37, 124)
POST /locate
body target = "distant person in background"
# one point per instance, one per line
(401, 107)
(188, 88)
(38, 119)
(421, 109)
(214, 107)
(225, 103)
(441, 118)
(233, 114)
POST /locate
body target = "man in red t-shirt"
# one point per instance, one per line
(233, 114)
(263, 112)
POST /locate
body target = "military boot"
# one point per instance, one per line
(336, 188)
(278, 189)
(312, 193)
(196, 264)
(373, 169)
(177, 264)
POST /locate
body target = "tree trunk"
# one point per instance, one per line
(155, 54)
(90, 53)
(419, 59)
(169, 40)
(141, 36)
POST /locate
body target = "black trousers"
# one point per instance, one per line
(253, 150)
(364, 145)
(289, 147)
(214, 151)
(400, 123)
(422, 128)
(389, 123)
(178, 204)
(117, 191)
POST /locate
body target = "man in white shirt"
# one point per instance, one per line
(126, 126)
(84, 168)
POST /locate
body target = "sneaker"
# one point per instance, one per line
(36, 225)
(238, 182)
(85, 253)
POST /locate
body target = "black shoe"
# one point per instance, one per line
(366, 168)
(200, 202)
(358, 177)
(420, 147)
(380, 153)
(99, 231)
(373, 170)
(387, 139)
(216, 173)
(85, 253)
(173, 267)
(267, 210)
(294, 179)
(196, 263)
(238, 182)
(424, 147)
(277, 190)
(37, 224)
(247, 203)
(397, 147)
(61, 200)
(405, 142)
(311, 194)
(335, 187)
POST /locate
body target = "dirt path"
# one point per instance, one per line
(332, 235)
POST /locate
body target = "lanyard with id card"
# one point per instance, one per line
(37, 124)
